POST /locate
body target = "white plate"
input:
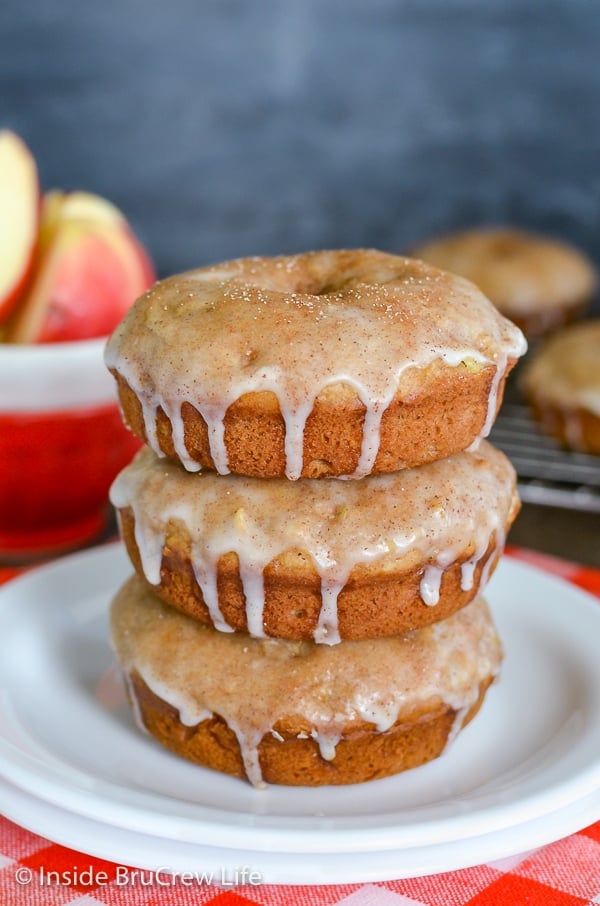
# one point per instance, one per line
(163, 856)
(67, 737)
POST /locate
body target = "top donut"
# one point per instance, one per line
(332, 363)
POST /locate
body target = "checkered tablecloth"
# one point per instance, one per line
(565, 873)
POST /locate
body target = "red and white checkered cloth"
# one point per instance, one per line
(565, 873)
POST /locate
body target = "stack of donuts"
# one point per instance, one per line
(315, 513)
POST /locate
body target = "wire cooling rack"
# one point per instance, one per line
(547, 473)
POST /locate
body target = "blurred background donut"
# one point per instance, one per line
(225, 129)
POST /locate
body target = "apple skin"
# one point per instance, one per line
(19, 218)
(88, 273)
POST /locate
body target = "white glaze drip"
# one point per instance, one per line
(254, 591)
(190, 715)
(149, 412)
(381, 710)
(467, 574)
(214, 416)
(249, 743)
(327, 631)
(295, 423)
(501, 364)
(430, 585)
(150, 546)
(205, 574)
(178, 438)
(326, 742)
(370, 440)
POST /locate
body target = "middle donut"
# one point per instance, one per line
(321, 559)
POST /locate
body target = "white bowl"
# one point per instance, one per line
(54, 376)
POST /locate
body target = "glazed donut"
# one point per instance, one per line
(318, 559)
(338, 363)
(297, 713)
(538, 283)
(562, 382)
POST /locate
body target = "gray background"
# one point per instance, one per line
(225, 128)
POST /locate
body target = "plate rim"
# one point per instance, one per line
(286, 839)
(98, 840)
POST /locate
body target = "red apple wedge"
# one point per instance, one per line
(87, 275)
(19, 218)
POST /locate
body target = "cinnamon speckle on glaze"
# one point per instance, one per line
(328, 363)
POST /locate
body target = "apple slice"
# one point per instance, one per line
(80, 206)
(58, 206)
(19, 218)
(87, 276)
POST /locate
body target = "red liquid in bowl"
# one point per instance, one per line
(55, 472)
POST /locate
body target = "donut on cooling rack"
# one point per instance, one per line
(562, 383)
(340, 363)
(537, 282)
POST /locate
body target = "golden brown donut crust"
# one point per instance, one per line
(439, 421)
(362, 754)
(371, 605)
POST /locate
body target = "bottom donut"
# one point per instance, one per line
(298, 713)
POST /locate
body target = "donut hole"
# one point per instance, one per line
(325, 273)
(330, 288)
